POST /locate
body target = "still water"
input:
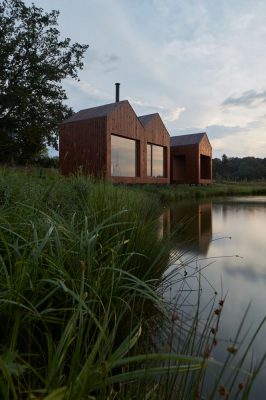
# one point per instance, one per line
(227, 240)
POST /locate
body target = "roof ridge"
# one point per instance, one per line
(146, 115)
(187, 139)
(94, 112)
(146, 118)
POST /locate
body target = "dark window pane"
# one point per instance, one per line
(123, 156)
(149, 172)
(157, 161)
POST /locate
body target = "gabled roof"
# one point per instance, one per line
(184, 140)
(94, 112)
(145, 119)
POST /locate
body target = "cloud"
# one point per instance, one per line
(173, 114)
(220, 131)
(143, 104)
(105, 59)
(248, 98)
(247, 272)
(167, 114)
(85, 95)
(193, 62)
(108, 70)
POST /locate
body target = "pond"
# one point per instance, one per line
(226, 240)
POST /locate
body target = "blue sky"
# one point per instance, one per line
(200, 63)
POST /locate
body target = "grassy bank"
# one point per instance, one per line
(81, 277)
(171, 193)
(78, 262)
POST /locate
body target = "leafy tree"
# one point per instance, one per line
(34, 60)
(234, 168)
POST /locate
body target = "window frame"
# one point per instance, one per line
(137, 158)
(151, 145)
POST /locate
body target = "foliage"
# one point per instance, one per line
(46, 161)
(239, 169)
(34, 60)
(82, 272)
(79, 260)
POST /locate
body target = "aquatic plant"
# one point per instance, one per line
(82, 274)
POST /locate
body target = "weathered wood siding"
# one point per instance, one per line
(83, 147)
(205, 149)
(156, 133)
(124, 122)
(86, 145)
(191, 169)
(191, 172)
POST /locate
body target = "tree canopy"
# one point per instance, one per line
(34, 60)
(239, 169)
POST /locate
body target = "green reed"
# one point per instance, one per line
(171, 193)
(82, 268)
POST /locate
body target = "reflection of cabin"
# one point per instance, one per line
(191, 159)
(112, 142)
(190, 226)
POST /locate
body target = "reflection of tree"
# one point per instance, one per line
(238, 206)
(123, 156)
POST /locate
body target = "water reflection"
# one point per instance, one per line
(190, 226)
(247, 272)
(240, 264)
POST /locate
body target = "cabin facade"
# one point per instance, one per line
(191, 159)
(110, 141)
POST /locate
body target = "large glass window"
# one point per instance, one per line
(155, 161)
(123, 156)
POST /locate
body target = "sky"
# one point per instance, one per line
(200, 63)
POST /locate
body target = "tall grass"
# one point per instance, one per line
(171, 193)
(80, 264)
(81, 267)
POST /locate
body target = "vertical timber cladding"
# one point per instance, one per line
(124, 122)
(156, 133)
(205, 157)
(193, 154)
(85, 141)
(186, 157)
(83, 147)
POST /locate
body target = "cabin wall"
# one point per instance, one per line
(124, 122)
(83, 146)
(156, 133)
(192, 164)
(205, 160)
(190, 171)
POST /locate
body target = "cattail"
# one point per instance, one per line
(223, 392)
(207, 352)
(232, 349)
(83, 265)
(85, 295)
(217, 311)
(175, 316)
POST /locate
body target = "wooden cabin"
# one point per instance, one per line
(110, 141)
(191, 159)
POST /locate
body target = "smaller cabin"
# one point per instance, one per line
(191, 159)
